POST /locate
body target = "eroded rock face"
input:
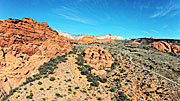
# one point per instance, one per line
(98, 58)
(166, 47)
(25, 45)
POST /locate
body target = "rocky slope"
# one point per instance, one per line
(24, 45)
(68, 84)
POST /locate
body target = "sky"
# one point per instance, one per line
(126, 18)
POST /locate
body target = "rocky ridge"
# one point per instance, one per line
(85, 39)
(24, 45)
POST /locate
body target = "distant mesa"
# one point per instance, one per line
(153, 37)
(84, 39)
(109, 36)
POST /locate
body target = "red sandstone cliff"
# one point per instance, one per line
(24, 45)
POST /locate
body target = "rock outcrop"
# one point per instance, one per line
(25, 45)
(166, 47)
(99, 59)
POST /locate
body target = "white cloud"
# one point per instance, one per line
(155, 31)
(76, 18)
(147, 32)
(171, 8)
(73, 14)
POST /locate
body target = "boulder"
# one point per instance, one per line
(99, 59)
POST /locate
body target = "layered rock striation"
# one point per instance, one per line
(25, 45)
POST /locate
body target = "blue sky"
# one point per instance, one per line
(126, 18)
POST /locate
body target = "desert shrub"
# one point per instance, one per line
(69, 89)
(108, 71)
(39, 83)
(74, 51)
(51, 72)
(122, 96)
(41, 88)
(92, 78)
(61, 58)
(5, 97)
(103, 80)
(29, 79)
(30, 96)
(52, 78)
(80, 60)
(30, 84)
(96, 84)
(25, 88)
(113, 66)
(37, 76)
(147, 93)
(77, 87)
(80, 69)
(142, 85)
(11, 92)
(112, 89)
(128, 80)
(67, 72)
(53, 59)
(43, 99)
(127, 66)
(84, 72)
(67, 80)
(49, 88)
(84, 91)
(99, 98)
(74, 92)
(57, 94)
(117, 79)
